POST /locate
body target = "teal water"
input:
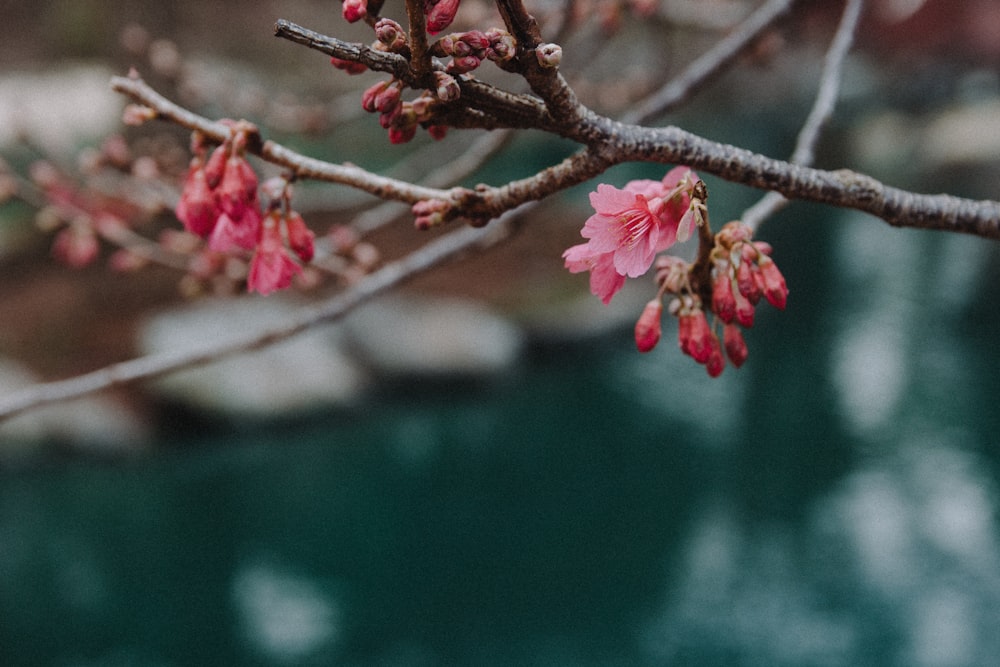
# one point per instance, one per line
(834, 502)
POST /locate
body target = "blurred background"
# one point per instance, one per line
(480, 469)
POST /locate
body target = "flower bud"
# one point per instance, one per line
(775, 290)
(695, 335)
(196, 207)
(723, 303)
(391, 34)
(368, 98)
(215, 167)
(440, 14)
(648, 327)
(736, 347)
(502, 46)
(549, 55)
(348, 66)
(355, 10)
(447, 89)
(401, 135)
(464, 64)
(300, 238)
(715, 363)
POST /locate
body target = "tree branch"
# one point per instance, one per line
(710, 63)
(826, 99)
(152, 366)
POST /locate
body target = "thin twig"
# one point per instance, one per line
(156, 365)
(819, 115)
(710, 63)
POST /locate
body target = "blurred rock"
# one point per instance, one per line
(56, 110)
(95, 425)
(306, 372)
(404, 335)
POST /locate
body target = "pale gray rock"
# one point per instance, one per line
(306, 372)
(406, 335)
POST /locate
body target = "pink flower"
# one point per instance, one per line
(237, 191)
(605, 281)
(229, 234)
(630, 226)
(271, 267)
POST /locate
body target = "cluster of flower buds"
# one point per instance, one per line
(741, 271)
(439, 13)
(82, 210)
(219, 202)
(401, 118)
(468, 50)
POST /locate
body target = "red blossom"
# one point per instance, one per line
(271, 268)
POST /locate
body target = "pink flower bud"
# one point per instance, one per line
(429, 213)
(648, 328)
(736, 347)
(440, 14)
(355, 10)
(229, 234)
(371, 94)
(715, 363)
(502, 46)
(196, 208)
(447, 89)
(464, 64)
(401, 135)
(300, 238)
(695, 335)
(348, 66)
(746, 281)
(723, 303)
(476, 39)
(271, 268)
(215, 167)
(744, 310)
(388, 99)
(437, 132)
(391, 34)
(237, 191)
(775, 290)
(76, 246)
